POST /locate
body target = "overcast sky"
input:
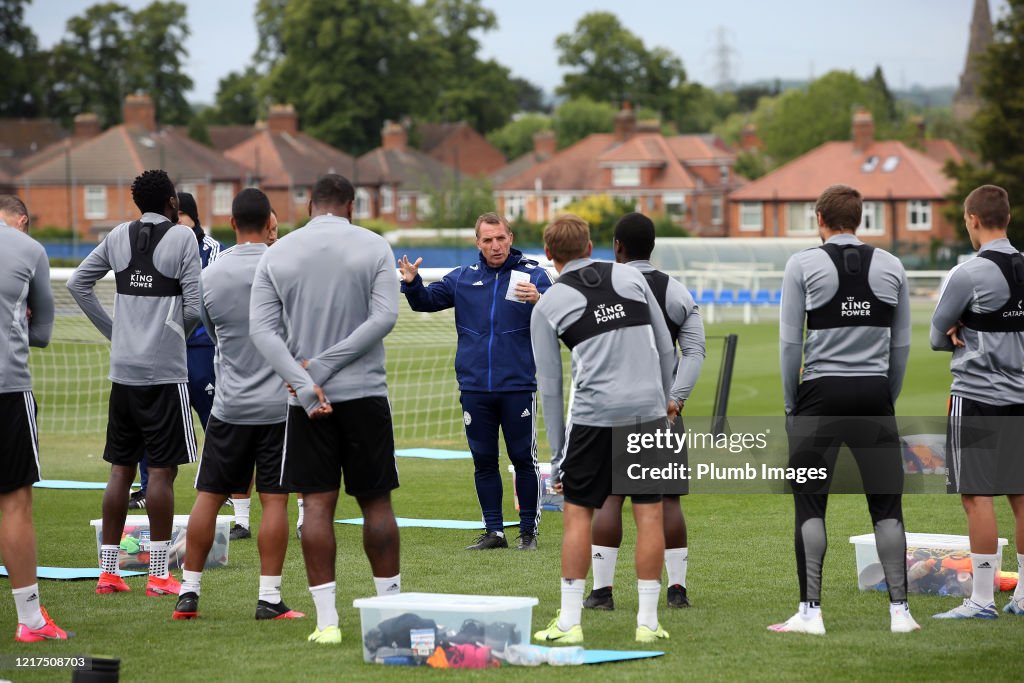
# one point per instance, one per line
(915, 41)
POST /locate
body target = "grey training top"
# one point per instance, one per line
(619, 375)
(249, 392)
(147, 333)
(24, 284)
(990, 368)
(333, 286)
(810, 281)
(683, 311)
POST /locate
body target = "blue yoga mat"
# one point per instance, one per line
(605, 656)
(433, 454)
(409, 522)
(65, 573)
(68, 484)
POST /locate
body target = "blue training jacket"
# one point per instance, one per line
(494, 351)
(209, 249)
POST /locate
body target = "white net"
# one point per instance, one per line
(71, 384)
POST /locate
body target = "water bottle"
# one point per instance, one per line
(565, 656)
(526, 655)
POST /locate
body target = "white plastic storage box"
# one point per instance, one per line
(549, 500)
(936, 563)
(134, 552)
(411, 626)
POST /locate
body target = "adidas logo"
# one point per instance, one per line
(209, 388)
(478, 283)
(598, 556)
(392, 588)
(34, 596)
(526, 413)
(984, 565)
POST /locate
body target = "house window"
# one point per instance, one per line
(751, 216)
(514, 206)
(362, 204)
(802, 219)
(626, 176)
(300, 195)
(557, 204)
(190, 188)
(387, 200)
(403, 208)
(919, 215)
(723, 174)
(223, 193)
(716, 211)
(423, 208)
(872, 219)
(675, 205)
(95, 201)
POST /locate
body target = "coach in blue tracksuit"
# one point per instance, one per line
(201, 380)
(493, 300)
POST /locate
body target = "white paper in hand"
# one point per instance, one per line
(514, 278)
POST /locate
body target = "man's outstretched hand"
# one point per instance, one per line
(409, 269)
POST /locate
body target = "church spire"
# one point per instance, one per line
(965, 102)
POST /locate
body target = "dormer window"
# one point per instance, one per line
(626, 176)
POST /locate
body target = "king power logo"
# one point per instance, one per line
(605, 313)
(852, 308)
(140, 280)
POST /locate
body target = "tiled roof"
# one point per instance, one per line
(282, 159)
(409, 168)
(22, 137)
(885, 169)
(122, 152)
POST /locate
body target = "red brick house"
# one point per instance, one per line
(458, 145)
(84, 182)
(286, 162)
(20, 139)
(395, 182)
(684, 176)
(904, 190)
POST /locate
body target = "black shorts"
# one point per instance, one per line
(357, 439)
(857, 412)
(155, 420)
(983, 448)
(231, 452)
(587, 468)
(19, 441)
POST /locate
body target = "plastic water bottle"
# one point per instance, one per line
(526, 655)
(565, 656)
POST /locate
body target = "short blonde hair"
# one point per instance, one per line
(567, 237)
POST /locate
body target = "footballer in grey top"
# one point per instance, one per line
(334, 288)
(619, 375)
(24, 285)
(810, 283)
(989, 368)
(147, 332)
(685, 315)
(249, 392)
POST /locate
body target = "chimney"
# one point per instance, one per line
(863, 130)
(139, 112)
(625, 122)
(86, 126)
(919, 129)
(749, 139)
(545, 144)
(393, 136)
(282, 119)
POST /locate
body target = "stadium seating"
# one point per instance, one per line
(750, 301)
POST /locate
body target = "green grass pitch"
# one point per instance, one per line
(741, 576)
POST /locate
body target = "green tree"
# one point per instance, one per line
(610, 63)
(156, 59)
(999, 123)
(19, 62)
(236, 100)
(576, 119)
(888, 110)
(347, 66)
(515, 138)
(529, 97)
(458, 204)
(602, 212)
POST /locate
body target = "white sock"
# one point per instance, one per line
(808, 611)
(108, 559)
(190, 582)
(895, 607)
(326, 604)
(242, 511)
(1018, 592)
(26, 600)
(572, 603)
(270, 589)
(648, 591)
(302, 512)
(501, 534)
(388, 585)
(158, 558)
(604, 558)
(984, 567)
(675, 566)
